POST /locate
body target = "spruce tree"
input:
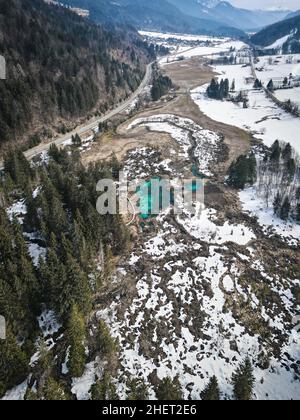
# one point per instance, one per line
(212, 391)
(76, 140)
(290, 169)
(138, 390)
(287, 152)
(169, 389)
(275, 151)
(242, 172)
(104, 343)
(243, 381)
(77, 287)
(285, 209)
(257, 84)
(213, 89)
(277, 204)
(53, 391)
(104, 389)
(80, 246)
(13, 362)
(76, 340)
(270, 86)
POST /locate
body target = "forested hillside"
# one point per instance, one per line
(284, 37)
(56, 254)
(61, 66)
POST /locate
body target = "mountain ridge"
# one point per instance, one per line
(225, 12)
(144, 15)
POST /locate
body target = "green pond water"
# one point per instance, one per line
(196, 173)
(149, 201)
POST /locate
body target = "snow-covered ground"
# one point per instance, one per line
(289, 94)
(271, 224)
(17, 393)
(188, 46)
(277, 68)
(179, 309)
(81, 386)
(200, 303)
(18, 211)
(202, 51)
(262, 118)
(185, 132)
(273, 67)
(203, 227)
(181, 37)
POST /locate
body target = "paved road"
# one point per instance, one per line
(93, 123)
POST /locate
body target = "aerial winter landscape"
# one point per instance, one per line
(150, 201)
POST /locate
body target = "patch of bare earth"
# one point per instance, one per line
(185, 75)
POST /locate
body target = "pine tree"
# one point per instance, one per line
(138, 390)
(221, 93)
(257, 84)
(13, 362)
(31, 216)
(53, 391)
(252, 169)
(243, 381)
(76, 140)
(213, 89)
(275, 151)
(285, 209)
(104, 343)
(17, 166)
(53, 277)
(44, 364)
(277, 204)
(270, 86)
(76, 341)
(242, 172)
(56, 220)
(212, 391)
(65, 248)
(287, 152)
(226, 88)
(116, 167)
(169, 389)
(80, 246)
(77, 287)
(104, 389)
(31, 395)
(290, 169)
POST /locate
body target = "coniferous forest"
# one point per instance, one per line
(60, 198)
(60, 67)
